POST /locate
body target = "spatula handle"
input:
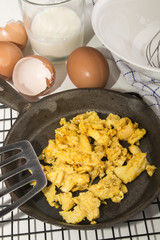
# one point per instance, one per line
(11, 98)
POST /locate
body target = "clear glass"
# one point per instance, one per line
(54, 27)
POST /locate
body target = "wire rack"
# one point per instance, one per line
(18, 226)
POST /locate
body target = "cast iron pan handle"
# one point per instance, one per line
(11, 98)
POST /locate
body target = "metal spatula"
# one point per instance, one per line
(23, 150)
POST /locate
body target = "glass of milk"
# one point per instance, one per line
(54, 27)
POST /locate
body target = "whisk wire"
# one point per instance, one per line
(153, 56)
(158, 53)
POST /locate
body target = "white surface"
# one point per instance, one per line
(126, 27)
(9, 9)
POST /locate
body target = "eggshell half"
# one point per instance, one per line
(14, 32)
(33, 75)
(50, 67)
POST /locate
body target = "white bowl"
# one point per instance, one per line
(126, 27)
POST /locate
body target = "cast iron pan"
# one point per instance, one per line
(37, 122)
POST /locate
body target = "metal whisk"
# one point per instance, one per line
(153, 51)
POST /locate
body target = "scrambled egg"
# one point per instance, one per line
(86, 164)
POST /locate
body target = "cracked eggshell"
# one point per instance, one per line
(10, 54)
(14, 32)
(33, 75)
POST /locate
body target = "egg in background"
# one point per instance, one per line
(10, 54)
(13, 39)
(88, 68)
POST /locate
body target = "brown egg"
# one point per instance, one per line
(14, 32)
(10, 54)
(88, 68)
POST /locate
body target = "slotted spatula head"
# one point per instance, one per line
(22, 150)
